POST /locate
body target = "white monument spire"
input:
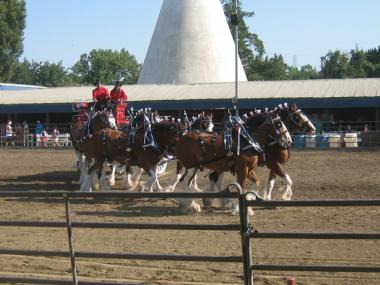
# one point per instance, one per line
(191, 43)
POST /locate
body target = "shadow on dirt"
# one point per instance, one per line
(48, 181)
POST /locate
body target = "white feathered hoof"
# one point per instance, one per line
(111, 182)
(287, 196)
(193, 208)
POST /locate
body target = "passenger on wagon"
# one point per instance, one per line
(118, 98)
(118, 95)
(101, 96)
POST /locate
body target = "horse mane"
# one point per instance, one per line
(168, 126)
(256, 120)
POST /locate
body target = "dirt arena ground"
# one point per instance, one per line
(316, 175)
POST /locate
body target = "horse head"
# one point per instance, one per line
(167, 133)
(295, 119)
(270, 128)
(203, 123)
(100, 120)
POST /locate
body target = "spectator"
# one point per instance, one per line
(55, 136)
(365, 129)
(38, 131)
(9, 134)
(25, 127)
(44, 138)
(318, 123)
(19, 134)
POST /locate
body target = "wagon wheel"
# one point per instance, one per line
(161, 167)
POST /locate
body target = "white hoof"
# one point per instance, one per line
(193, 208)
(286, 197)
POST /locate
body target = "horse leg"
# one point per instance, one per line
(288, 191)
(102, 176)
(242, 173)
(177, 178)
(112, 176)
(270, 186)
(280, 171)
(156, 183)
(89, 175)
(213, 178)
(186, 203)
(152, 176)
(195, 185)
(131, 178)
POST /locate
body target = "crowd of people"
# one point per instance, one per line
(19, 134)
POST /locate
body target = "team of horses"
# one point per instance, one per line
(256, 139)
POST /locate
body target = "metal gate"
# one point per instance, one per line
(247, 231)
(250, 233)
(69, 224)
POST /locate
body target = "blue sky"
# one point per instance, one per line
(304, 30)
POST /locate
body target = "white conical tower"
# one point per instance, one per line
(191, 43)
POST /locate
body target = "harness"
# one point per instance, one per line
(236, 123)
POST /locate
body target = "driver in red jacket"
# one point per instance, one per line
(118, 94)
(118, 98)
(101, 96)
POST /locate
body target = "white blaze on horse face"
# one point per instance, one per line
(309, 123)
(210, 127)
(112, 121)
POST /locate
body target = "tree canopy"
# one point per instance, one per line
(355, 64)
(42, 73)
(12, 24)
(106, 65)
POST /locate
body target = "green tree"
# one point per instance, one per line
(358, 63)
(248, 42)
(23, 73)
(106, 65)
(373, 58)
(268, 68)
(42, 73)
(305, 72)
(12, 24)
(335, 65)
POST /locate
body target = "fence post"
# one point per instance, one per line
(245, 240)
(71, 242)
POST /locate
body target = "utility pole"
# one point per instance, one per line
(234, 22)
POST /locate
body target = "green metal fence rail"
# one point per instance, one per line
(250, 233)
(247, 231)
(69, 225)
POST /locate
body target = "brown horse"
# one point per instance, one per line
(198, 150)
(80, 127)
(276, 155)
(200, 123)
(115, 146)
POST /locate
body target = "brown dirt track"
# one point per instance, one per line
(316, 175)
